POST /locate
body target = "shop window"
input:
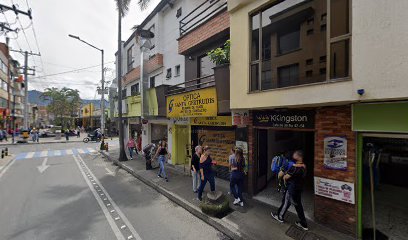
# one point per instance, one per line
(288, 75)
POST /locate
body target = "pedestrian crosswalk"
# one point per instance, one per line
(54, 153)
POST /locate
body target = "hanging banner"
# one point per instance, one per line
(221, 121)
(290, 118)
(199, 103)
(335, 153)
(220, 143)
(337, 190)
(240, 117)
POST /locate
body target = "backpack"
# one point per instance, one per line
(277, 163)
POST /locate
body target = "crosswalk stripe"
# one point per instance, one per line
(57, 153)
(91, 150)
(81, 151)
(69, 151)
(43, 153)
(30, 155)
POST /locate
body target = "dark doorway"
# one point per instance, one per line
(262, 156)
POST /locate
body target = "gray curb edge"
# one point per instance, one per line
(218, 224)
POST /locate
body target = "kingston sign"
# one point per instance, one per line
(295, 119)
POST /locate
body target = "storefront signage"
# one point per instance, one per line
(220, 143)
(337, 190)
(240, 118)
(296, 119)
(181, 121)
(335, 153)
(199, 103)
(222, 121)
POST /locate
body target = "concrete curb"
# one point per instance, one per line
(219, 224)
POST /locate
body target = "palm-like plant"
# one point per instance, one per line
(123, 9)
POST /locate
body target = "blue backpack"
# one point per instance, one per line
(278, 162)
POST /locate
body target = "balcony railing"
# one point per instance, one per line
(191, 85)
(200, 14)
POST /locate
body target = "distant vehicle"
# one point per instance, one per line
(23, 137)
(56, 129)
(46, 133)
(91, 137)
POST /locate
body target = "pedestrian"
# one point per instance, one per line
(139, 143)
(230, 159)
(131, 146)
(37, 136)
(206, 172)
(237, 176)
(195, 167)
(66, 135)
(5, 134)
(162, 152)
(294, 179)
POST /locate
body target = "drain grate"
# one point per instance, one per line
(295, 233)
(298, 234)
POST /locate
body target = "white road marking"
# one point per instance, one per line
(44, 153)
(111, 222)
(57, 152)
(80, 151)
(30, 155)
(4, 169)
(69, 151)
(43, 166)
(109, 172)
(91, 150)
(118, 211)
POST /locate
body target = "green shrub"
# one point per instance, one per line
(219, 209)
(219, 55)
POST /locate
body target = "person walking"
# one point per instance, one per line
(5, 134)
(230, 159)
(162, 152)
(131, 146)
(37, 135)
(66, 134)
(294, 179)
(206, 172)
(195, 167)
(237, 176)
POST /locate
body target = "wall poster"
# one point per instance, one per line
(220, 143)
(335, 153)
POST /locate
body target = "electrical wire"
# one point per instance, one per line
(5, 17)
(71, 71)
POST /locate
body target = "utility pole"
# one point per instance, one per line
(26, 74)
(103, 95)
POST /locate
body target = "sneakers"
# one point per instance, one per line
(236, 201)
(159, 176)
(167, 179)
(299, 224)
(131, 158)
(276, 217)
(241, 204)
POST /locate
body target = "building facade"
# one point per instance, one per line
(310, 76)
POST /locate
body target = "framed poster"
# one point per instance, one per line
(335, 153)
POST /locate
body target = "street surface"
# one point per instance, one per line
(67, 191)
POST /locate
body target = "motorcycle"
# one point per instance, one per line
(91, 137)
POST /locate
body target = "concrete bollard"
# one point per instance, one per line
(6, 151)
(2, 153)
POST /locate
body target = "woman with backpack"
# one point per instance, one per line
(237, 176)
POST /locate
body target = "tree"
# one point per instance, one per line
(63, 103)
(123, 9)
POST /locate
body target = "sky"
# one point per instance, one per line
(95, 21)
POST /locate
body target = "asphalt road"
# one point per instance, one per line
(65, 191)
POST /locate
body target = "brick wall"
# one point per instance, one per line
(202, 33)
(335, 121)
(153, 64)
(251, 181)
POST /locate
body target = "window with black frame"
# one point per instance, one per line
(130, 59)
(124, 93)
(289, 43)
(134, 90)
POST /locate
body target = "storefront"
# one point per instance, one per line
(382, 169)
(328, 142)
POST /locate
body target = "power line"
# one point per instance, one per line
(71, 71)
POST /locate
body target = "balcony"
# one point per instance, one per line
(205, 23)
(220, 80)
(154, 63)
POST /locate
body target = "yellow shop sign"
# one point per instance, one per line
(222, 121)
(199, 103)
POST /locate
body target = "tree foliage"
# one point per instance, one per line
(64, 104)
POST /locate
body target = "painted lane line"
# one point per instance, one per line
(117, 218)
(5, 168)
(114, 205)
(123, 227)
(30, 155)
(111, 222)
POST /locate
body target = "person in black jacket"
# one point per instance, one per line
(195, 167)
(206, 172)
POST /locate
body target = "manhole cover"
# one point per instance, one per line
(313, 236)
(295, 233)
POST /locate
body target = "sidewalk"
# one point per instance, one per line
(251, 222)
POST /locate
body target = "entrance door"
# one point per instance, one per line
(262, 156)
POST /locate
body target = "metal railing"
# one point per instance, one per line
(200, 14)
(191, 85)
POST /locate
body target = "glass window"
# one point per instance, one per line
(339, 59)
(168, 74)
(255, 37)
(339, 17)
(254, 77)
(124, 93)
(206, 66)
(177, 70)
(152, 82)
(289, 39)
(153, 40)
(129, 59)
(288, 75)
(134, 90)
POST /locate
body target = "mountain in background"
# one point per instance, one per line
(34, 97)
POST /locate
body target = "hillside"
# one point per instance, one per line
(34, 98)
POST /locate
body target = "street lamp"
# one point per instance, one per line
(103, 81)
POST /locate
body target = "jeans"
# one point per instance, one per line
(236, 184)
(131, 151)
(209, 178)
(292, 196)
(162, 171)
(196, 180)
